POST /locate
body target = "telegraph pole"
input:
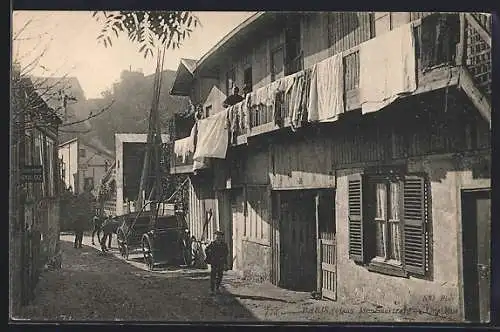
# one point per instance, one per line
(153, 144)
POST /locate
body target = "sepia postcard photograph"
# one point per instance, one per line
(250, 167)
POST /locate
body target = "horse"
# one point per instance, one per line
(108, 228)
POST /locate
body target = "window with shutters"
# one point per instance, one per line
(389, 223)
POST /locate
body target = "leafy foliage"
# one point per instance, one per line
(149, 29)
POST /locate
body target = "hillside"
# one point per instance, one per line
(129, 112)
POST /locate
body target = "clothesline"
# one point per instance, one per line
(315, 94)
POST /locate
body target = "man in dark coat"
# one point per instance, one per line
(216, 255)
(79, 226)
(96, 228)
(233, 99)
(80, 219)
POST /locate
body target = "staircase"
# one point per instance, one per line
(475, 76)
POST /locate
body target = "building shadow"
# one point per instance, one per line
(132, 293)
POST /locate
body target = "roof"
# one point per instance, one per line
(183, 78)
(187, 68)
(90, 145)
(241, 29)
(43, 110)
(190, 64)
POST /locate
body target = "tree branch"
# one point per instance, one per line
(90, 116)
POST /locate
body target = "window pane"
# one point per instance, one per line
(395, 192)
(381, 195)
(395, 241)
(380, 238)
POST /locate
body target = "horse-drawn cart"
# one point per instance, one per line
(162, 238)
(129, 234)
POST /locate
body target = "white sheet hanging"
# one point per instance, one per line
(213, 137)
(387, 68)
(326, 95)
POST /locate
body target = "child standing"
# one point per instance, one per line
(216, 255)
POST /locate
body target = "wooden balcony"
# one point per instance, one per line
(466, 62)
(443, 72)
(475, 61)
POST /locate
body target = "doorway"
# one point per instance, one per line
(476, 237)
(238, 224)
(226, 221)
(297, 240)
(327, 245)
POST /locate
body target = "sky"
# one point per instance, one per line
(57, 43)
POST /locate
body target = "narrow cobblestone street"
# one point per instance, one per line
(93, 286)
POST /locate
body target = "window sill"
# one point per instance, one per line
(387, 268)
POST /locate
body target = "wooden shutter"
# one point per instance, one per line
(414, 220)
(355, 210)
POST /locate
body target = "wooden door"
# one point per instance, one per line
(237, 210)
(326, 247)
(297, 240)
(226, 221)
(275, 239)
(476, 223)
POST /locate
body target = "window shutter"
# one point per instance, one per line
(355, 210)
(414, 220)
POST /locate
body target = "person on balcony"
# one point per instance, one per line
(233, 99)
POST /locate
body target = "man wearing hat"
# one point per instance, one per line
(216, 255)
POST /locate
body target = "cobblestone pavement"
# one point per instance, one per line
(94, 286)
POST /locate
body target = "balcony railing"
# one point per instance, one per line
(478, 50)
(261, 118)
(467, 45)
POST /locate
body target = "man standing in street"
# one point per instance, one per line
(96, 228)
(216, 255)
(79, 224)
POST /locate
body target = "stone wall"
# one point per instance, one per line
(256, 261)
(442, 294)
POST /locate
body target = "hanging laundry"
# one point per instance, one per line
(183, 147)
(201, 163)
(326, 93)
(246, 111)
(295, 102)
(233, 114)
(213, 136)
(386, 75)
(305, 95)
(439, 35)
(278, 108)
(241, 117)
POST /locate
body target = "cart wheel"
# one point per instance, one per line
(147, 252)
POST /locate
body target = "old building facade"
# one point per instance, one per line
(83, 165)
(358, 160)
(34, 189)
